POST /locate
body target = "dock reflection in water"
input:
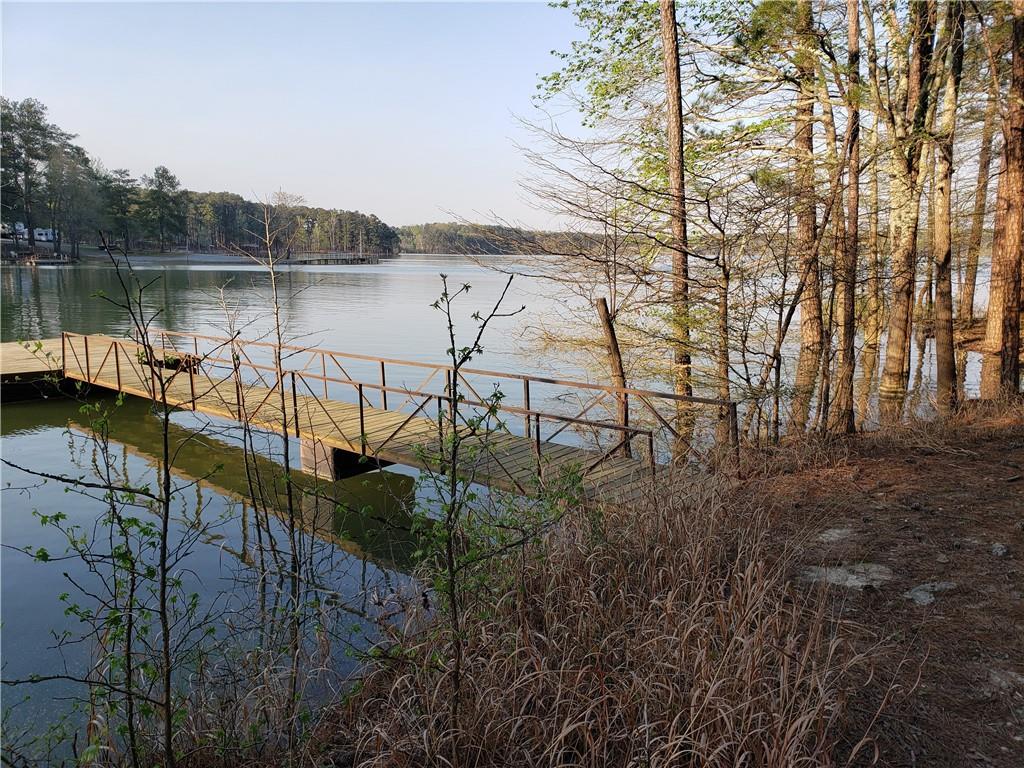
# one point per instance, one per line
(355, 531)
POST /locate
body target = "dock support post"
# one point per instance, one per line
(328, 463)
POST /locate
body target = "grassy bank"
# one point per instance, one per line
(662, 632)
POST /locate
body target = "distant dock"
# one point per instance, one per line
(331, 257)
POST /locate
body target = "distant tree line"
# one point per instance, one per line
(480, 239)
(50, 182)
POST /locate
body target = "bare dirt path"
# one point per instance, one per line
(923, 536)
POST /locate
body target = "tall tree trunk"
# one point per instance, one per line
(965, 310)
(874, 308)
(838, 233)
(811, 331)
(846, 271)
(1000, 369)
(905, 199)
(677, 209)
(942, 236)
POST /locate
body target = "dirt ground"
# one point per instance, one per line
(922, 536)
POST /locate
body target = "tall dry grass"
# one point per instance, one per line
(661, 632)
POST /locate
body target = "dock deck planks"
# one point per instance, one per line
(26, 360)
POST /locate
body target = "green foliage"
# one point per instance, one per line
(449, 238)
(619, 58)
(769, 26)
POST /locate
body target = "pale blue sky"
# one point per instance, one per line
(403, 110)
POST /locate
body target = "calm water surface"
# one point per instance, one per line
(381, 310)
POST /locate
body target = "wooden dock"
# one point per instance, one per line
(29, 361)
(30, 370)
(330, 257)
(387, 424)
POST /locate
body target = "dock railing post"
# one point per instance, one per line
(362, 417)
(526, 405)
(295, 404)
(536, 445)
(64, 352)
(383, 386)
(627, 435)
(88, 374)
(323, 370)
(117, 363)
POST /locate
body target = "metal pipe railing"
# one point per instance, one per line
(196, 361)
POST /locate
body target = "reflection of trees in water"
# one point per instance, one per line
(233, 654)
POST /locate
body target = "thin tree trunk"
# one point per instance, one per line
(810, 302)
(618, 371)
(677, 210)
(965, 311)
(846, 272)
(874, 307)
(942, 235)
(1000, 369)
(925, 303)
(723, 346)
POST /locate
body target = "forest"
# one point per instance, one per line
(483, 239)
(52, 183)
(837, 180)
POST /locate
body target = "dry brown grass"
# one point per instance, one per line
(980, 419)
(658, 633)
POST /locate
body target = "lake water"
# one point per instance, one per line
(380, 310)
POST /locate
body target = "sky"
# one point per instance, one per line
(406, 110)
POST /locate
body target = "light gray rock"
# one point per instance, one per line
(924, 594)
(855, 576)
(1005, 680)
(999, 550)
(833, 535)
